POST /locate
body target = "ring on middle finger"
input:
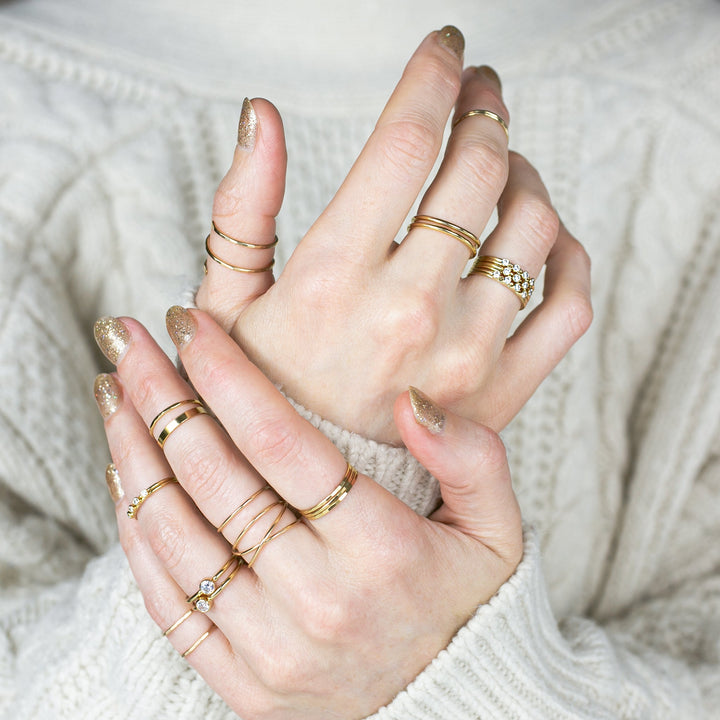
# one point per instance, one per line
(210, 588)
(197, 408)
(471, 241)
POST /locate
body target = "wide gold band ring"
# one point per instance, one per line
(507, 273)
(134, 506)
(471, 242)
(485, 113)
(334, 498)
(197, 408)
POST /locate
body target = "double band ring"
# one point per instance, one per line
(235, 268)
(485, 113)
(134, 506)
(198, 642)
(507, 273)
(471, 241)
(210, 588)
(197, 409)
(334, 498)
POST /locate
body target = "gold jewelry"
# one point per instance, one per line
(177, 623)
(455, 231)
(508, 274)
(196, 644)
(268, 535)
(255, 549)
(174, 406)
(210, 588)
(334, 498)
(241, 507)
(236, 268)
(176, 422)
(134, 506)
(242, 243)
(487, 113)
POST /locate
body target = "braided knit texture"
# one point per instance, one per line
(108, 163)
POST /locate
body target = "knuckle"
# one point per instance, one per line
(146, 392)
(206, 468)
(539, 222)
(494, 452)
(482, 165)
(158, 605)
(274, 443)
(578, 314)
(283, 673)
(411, 146)
(324, 615)
(414, 317)
(166, 537)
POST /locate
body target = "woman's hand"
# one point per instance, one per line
(355, 319)
(338, 614)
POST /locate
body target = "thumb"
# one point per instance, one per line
(470, 463)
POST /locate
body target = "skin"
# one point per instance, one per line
(338, 615)
(402, 316)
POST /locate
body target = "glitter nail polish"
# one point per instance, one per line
(247, 126)
(112, 478)
(487, 72)
(426, 412)
(108, 394)
(180, 325)
(112, 337)
(452, 39)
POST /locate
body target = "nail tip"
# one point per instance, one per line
(112, 478)
(426, 412)
(112, 337)
(453, 39)
(108, 394)
(180, 325)
(247, 126)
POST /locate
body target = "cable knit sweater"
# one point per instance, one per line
(116, 123)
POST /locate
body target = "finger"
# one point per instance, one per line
(301, 464)
(245, 206)
(166, 520)
(526, 231)
(203, 458)
(546, 335)
(374, 199)
(470, 464)
(468, 184)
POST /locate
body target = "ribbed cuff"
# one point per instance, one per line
(508, 661)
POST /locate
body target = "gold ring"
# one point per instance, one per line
(334, 498)
(176, 422)
(455, 231)
(487, 113)
(196, 644)
(242, 243)
(507, 273)
(134, 506)
(174, 406)
(210, 588)
(178, 623)
(236, 268)
(241, 507)
(269, 534)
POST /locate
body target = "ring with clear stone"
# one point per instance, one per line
(142, 496)
(210, 588)
(507, 273)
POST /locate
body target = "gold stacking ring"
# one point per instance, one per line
(242, 243)
(197, 409)
(197, 643)
(507, 273)
(134, 506)
(455, 231)
(487, 113)
(236, 268)
(334, 498)
(210, 588)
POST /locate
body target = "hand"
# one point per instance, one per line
(354, 319)
(337, 615)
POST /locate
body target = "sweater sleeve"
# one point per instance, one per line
(513, 659)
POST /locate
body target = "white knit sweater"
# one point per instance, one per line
(116, 123)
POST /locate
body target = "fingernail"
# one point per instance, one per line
(247, 127)
(108, 394)
(426, 412)
(452, 39)
(487, 72)
(112, 337)
(112, 478)
(180, 325)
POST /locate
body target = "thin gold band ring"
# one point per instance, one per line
(487, 113)
(242, 243)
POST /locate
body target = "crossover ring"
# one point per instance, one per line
(229, 266)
